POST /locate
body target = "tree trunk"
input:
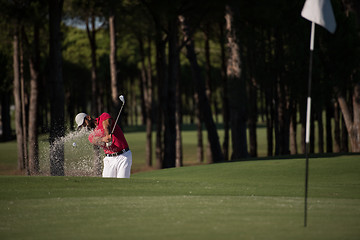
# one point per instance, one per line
(200, 145)
(355, 131)
(344, 146)
(169, 100)
(148, 139)
(252, 93)
(312, 133)
(161, 79)
(132, 101)
(207, 63)
(34, 62)
(94, 88)
(293, 125)
(113, 68)
(283, 117)
(269, 93)
(276, 120)
(142, 96)
(206, 115)
(262, 106)
(269, 121)
(146, 86)
(336, 128)
(252, 117)
(352, 123)
(208, 80)
(320, 131)
(57, 129)
(225, 98)
(236, 86)
(23, 109)
(149, 106)
(17, 100)
(178, 115)
(329, 142)
(179, 148)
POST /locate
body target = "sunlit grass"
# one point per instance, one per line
(248, 199)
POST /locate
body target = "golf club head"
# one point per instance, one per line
(121, 97)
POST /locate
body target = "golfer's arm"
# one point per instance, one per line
(107, 129)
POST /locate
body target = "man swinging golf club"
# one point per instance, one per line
(108, 135)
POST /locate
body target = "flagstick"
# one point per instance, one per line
(308, 113)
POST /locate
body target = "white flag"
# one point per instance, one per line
(320, 12)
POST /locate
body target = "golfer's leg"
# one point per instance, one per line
(124, 165)
(109, 169)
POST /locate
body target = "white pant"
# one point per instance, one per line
(118, 166)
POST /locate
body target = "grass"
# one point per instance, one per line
(8, 158)
(260, 199)
(248, 200)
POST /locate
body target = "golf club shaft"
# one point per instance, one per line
(112, 131)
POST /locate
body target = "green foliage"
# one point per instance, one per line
(76, 46)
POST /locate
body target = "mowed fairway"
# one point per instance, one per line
(238, 200)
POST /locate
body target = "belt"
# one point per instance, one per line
(117, 153)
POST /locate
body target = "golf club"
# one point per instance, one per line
(122, 99)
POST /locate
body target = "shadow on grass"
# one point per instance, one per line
(297, 156)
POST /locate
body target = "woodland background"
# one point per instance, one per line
(234, 64)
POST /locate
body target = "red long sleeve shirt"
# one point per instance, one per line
(118, 139)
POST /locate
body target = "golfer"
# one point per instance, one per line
(118, 157)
